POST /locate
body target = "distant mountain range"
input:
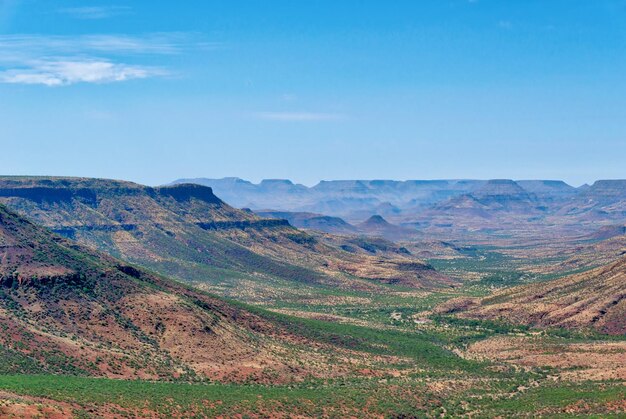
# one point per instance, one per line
(354, 200)
(433, 206)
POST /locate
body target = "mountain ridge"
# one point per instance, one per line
(186, 232)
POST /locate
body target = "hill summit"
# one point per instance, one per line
(375, 221)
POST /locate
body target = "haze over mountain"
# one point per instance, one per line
(354, 200)
(443, 208)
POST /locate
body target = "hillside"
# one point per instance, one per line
(592, 299)
(186, 232)
(376, 225)
(311, 221)
(67, 309)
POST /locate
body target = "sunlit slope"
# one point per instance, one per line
(592, 299)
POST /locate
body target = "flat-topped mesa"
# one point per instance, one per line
(384, 183)
(64, 189)
(605, 199)
(495, 195)
(276, 182)
(187, 191)
(108, 205)
(281, 186)
(47, 194)
(502, 191)
(341, 186)
(547, 187)
(610, 188)
(500, 187)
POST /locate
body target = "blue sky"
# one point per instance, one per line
(152, 91)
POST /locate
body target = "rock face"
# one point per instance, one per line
(594, 299)
(65, 308)
(156, 227)
(189, 191)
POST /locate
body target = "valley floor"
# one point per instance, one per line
(407, 361)
(446, 367)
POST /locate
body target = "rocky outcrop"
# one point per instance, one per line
(243, 225)
(187, 191)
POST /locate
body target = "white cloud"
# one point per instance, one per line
(95, 12)
(65, 60)
(61, 73)
(299, 116)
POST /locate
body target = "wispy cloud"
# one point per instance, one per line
(61, 73)
(159, 43)
(65, 60)
(95, 12)
(299, 116)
